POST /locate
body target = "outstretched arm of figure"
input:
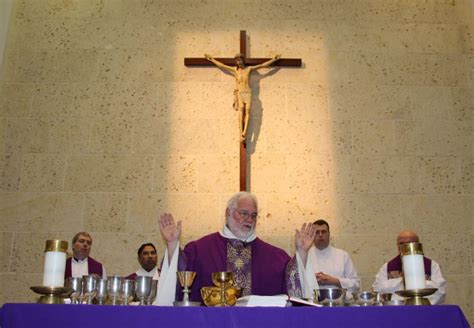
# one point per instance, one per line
(267, 63)
(219, 64)
(304, 239)
(170, 232)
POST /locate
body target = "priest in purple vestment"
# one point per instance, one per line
(259, 268)
(389, 279)
(148, 260)
(81, 264)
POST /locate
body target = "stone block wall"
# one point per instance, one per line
(103, 127)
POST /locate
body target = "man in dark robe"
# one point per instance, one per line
(81, 264)
(258, 267)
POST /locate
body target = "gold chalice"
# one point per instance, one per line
(223, 279)
(186, 279)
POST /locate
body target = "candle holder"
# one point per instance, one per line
(414, 275)
(416, 296)
(53, 274)
(51, 295)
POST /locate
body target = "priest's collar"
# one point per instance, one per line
(79, 261)
(226, 233)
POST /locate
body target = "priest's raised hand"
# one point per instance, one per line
(304, 239)
(170, 231)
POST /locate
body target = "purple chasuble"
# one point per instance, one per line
(395, 264)
(92, 266)
(268, 267)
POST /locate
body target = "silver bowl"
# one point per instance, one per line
(330, 296)
(366, 298)
(394, 302)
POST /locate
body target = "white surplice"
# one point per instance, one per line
(166, 289)
(334, 262)
(155, 274)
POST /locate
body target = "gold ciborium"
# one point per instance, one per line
(223, 279)
(211, 296)
(186, 279)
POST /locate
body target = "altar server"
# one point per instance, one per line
(332, 267)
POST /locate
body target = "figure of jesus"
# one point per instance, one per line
(242, 91)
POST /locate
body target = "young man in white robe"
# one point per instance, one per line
(332, 267)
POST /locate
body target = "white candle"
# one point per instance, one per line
(54, 267)
(414, 271)
(54, 263)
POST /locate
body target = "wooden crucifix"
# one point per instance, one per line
(241, 62)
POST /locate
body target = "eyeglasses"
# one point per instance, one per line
(245, 215)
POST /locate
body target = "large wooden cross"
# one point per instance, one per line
(283, 62)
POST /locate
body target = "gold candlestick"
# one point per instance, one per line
(416, 296)
(51, 295)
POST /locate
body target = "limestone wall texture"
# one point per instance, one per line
(103, 128)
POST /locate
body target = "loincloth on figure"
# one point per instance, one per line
(245, 97)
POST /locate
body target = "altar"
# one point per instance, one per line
(81, 316)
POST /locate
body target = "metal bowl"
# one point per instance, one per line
(366, 298)
(330, 296)
(394, 302)
(212, 295)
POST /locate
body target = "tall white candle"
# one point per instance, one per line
(414, 271)
(54, 267)
(54, 263)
